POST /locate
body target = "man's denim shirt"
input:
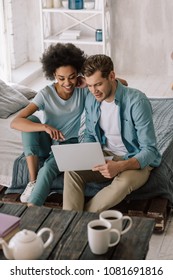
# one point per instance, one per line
(135, 123)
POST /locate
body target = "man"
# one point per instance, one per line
(120, 118)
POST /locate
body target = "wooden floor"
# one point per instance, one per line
(161, 245)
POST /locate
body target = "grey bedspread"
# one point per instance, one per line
(160, 182)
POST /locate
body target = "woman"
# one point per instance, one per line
(62, 104)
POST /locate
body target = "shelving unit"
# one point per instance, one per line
(56, 21)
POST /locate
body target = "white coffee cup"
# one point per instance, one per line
(116, 219)
(99, 235)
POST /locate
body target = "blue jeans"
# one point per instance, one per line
(39, 143)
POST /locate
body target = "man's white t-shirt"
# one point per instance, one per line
(109, 123)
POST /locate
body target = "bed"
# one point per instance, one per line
(14, 173)
(13, 98)
(10, 149)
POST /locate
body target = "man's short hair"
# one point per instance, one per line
(98, 62)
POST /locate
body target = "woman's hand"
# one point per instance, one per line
(124, 82)
(54, 133)
(81, 83)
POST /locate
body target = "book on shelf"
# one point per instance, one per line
(70, 35)
(8, 223)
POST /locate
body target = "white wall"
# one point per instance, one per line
(23, 23)
(142, 36)
(34, 30)
(142, 39)
(16, 20)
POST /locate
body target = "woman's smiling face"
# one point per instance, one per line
(66, 77)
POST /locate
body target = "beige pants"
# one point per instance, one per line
(109, 196)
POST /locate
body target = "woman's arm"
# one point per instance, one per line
(21, 123)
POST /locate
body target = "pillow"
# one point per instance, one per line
(11, 100)
(26, 91)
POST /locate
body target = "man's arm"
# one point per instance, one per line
(113, 168)
(90, 115)
(143, 121)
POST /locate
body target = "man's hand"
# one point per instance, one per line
(54, 133)
(110, 169)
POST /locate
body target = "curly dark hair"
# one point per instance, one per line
(61, 55)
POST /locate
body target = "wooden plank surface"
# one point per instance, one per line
(74, 240)
(132, 246)
(157, 208)
(70, 233)
(59, 222)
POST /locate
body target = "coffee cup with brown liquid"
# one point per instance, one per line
(117, 220)
(99, 236)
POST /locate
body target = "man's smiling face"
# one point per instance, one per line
(102, 88)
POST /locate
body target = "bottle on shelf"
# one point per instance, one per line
(98, 35)
(75, 4)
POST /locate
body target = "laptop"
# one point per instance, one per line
(79, 156)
